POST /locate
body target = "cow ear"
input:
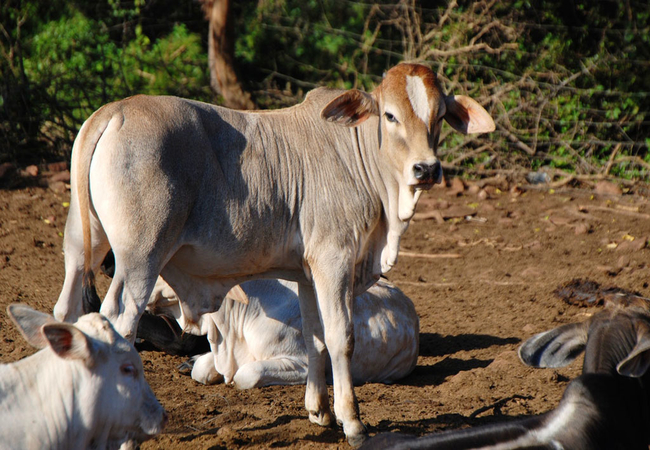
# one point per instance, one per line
(68, 341)
(238, 294)
(351, 108)
(555, 348)
(29, 323)
(637, 362)
(466, 116)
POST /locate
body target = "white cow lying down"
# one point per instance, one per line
(84, 389)
(261, 343)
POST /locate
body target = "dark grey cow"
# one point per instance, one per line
(606, 408)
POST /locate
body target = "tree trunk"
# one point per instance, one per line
(223, 79)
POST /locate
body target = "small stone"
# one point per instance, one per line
(483, 194)
(632, 246)
(456, 187)
(57, 166)
(582, 228)
(607, 188)
(32, 171)
(474, 189)
(60, 176)
(58, 186)
(623, 261)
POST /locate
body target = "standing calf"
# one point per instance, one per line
(84, 389)
(606, 408)
(319, 193)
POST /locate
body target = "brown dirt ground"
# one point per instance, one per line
(474, 310)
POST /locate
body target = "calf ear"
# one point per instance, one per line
(238, 294)
(351, 108)
(637, 362)
(68, 342)
(29, 323)
(466, 116)
(555, 348)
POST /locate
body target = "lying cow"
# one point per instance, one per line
(607, 407)
(84, 389)
(207, 197)
(260, 343)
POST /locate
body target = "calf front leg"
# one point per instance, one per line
(334, 297)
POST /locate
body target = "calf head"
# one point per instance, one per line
(615, 340)
(119, 400)
(411, 106)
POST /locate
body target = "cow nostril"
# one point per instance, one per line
(419, 171)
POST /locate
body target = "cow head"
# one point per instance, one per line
(411, 106)
(116, 399)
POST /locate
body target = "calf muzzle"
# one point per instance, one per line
(428, 174)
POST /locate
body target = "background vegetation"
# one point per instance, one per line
(567, 82)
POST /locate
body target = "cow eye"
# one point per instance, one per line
(129, 370)
(391, 118)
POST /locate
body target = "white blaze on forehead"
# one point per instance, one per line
(419, 98)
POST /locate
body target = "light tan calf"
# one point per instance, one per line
(207, 197)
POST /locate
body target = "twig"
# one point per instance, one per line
(496, 406)
(429, 255)
(610, 162)
(633, 160)
(619, 211)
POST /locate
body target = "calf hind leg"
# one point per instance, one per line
(316, 397)
(277, 371)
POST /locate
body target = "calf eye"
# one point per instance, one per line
(128, 369)
(390, 117)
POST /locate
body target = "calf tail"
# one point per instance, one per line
(90, 298)
(82, 155)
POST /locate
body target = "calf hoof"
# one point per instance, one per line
(322, 418)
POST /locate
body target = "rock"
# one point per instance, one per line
(538, 178)
(474, 189)
(60, 176)
(582, 228)
(516, 191)
(31, 171)
(607, 188)
(483, 194)
(456, 187)
(632, 246)
(58, 186)
(57, 166)
(623, 261)
(529, 329)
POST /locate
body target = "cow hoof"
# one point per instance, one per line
(324, 419)
(356, 440)
(185, 368)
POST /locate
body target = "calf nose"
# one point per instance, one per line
(428, 173)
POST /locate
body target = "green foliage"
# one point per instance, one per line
(72, 64)
(566, 81)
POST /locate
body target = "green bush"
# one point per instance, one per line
(73, 64)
